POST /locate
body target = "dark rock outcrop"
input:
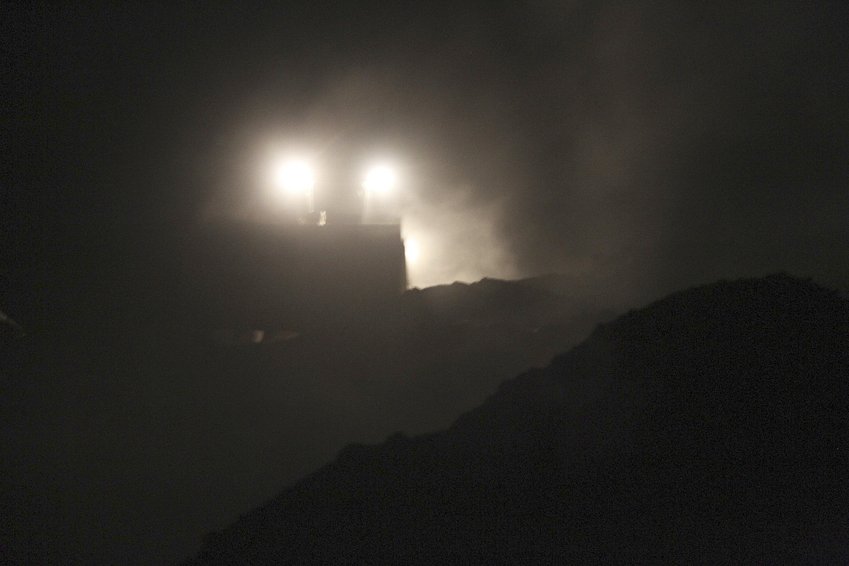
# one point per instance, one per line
(711, 426)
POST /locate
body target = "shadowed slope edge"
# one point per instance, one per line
(710, 426)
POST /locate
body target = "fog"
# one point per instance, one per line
(615, 141)
(635, 149)
(457, 240)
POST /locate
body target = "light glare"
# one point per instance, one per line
(380, 179)
(411, 250)
(296, 177)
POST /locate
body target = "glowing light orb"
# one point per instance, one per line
(380, 179)
(412, 252)
(295, 177)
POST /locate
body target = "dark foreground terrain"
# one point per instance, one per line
(130, 428)
(709, 427)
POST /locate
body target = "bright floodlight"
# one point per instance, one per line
(295, 177)
(380, 179)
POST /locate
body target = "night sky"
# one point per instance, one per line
(661, 143)
(636, 148)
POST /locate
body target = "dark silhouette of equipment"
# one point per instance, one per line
(292, 276)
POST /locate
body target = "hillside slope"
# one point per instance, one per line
(131, 429)
(710, 426)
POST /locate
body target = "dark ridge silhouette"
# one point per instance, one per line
(708, 427)
(114, 385)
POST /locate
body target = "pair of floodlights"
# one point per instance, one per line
(297, 178)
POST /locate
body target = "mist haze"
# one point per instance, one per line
(591, 138)
(599, 155)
